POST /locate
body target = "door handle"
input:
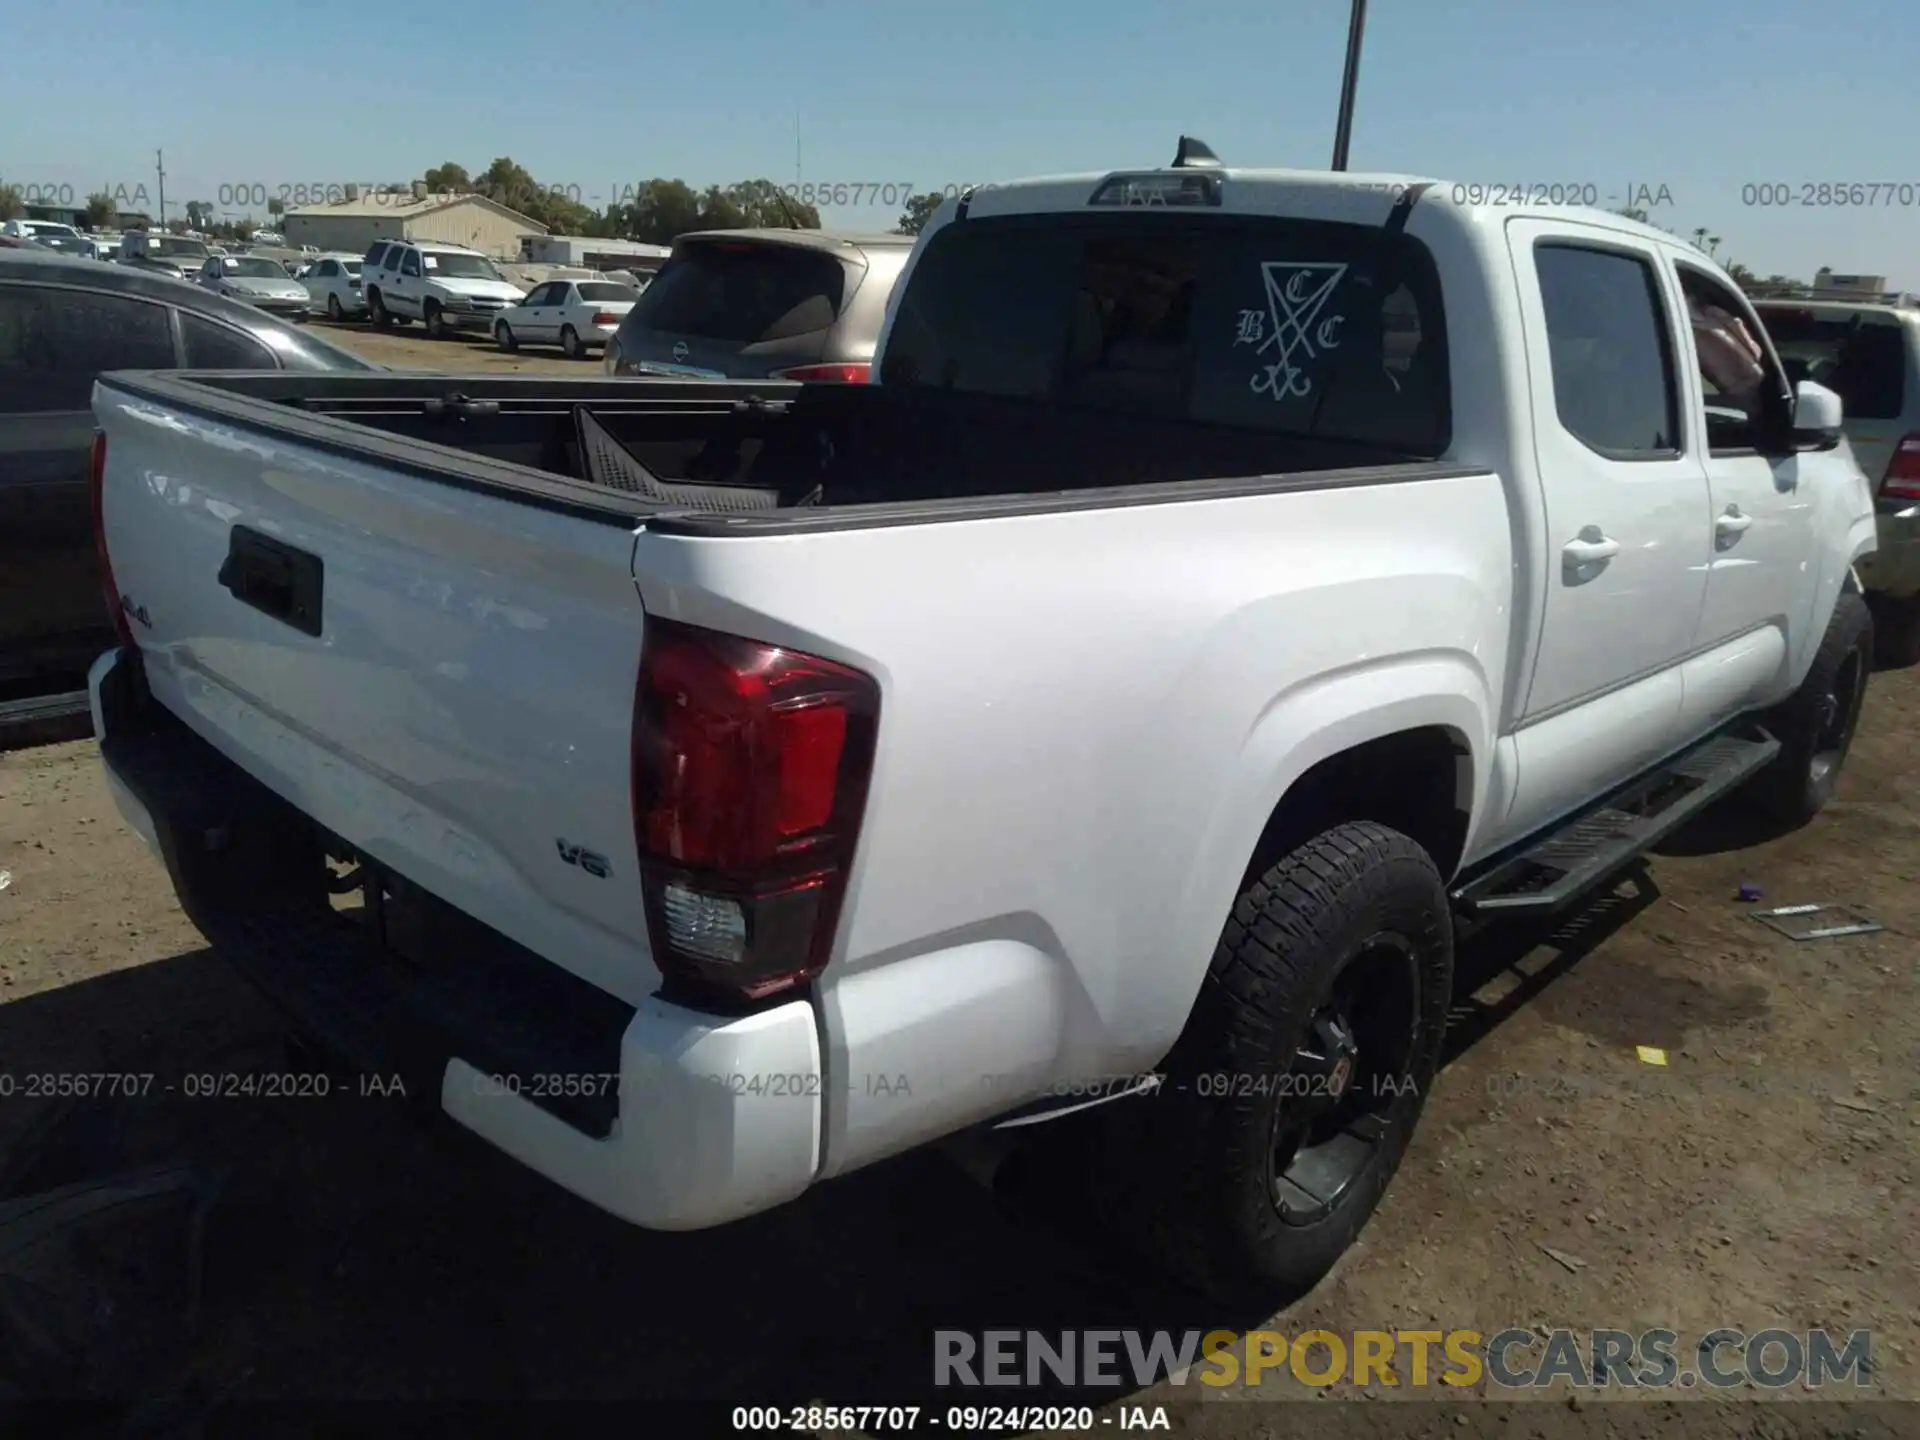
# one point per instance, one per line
(1590, 548)
(1731, 526)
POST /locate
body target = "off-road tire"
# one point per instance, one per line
(1816, 724)
(1190, 1168)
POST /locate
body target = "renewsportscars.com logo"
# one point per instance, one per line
(1512, 1359)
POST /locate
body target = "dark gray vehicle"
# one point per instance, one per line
(62, 322)
(763, 304)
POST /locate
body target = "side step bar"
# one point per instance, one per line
(1562, 864)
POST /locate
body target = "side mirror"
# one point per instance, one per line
(1817, 413)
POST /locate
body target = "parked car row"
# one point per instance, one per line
(790, 304)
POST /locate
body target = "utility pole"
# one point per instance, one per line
(796, 150)
(1343, 131)
(160, 169)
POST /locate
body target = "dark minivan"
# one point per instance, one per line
(763, 304)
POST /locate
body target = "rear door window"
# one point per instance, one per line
(743, 293)
(1860, 355)
(1302, 327)
(1610, 350)
(54, 341)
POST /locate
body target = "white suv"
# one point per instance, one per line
(447, 287)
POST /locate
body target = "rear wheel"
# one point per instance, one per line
(1816, 724)
(503, 336)
(1294, 1090)
(334, 311)
(570, 345)
(377, 308)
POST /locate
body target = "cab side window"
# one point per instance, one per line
(410, 263)
(1741, 384)
(1611, 351)
(212, 346)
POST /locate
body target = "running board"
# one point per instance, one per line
(1567, 861)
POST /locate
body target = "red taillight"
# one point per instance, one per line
(750, 770)
(1903, 471)
(97, 488)
(833, 374)
(606, 318)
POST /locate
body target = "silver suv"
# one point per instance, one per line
(1868, 351)
(763, 304)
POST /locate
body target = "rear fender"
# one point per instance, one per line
(1300, 729)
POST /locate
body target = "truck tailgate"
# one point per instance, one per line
(443, 678)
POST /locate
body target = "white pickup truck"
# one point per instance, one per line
(1235, 582)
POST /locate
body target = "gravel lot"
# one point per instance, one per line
(1764, 1177)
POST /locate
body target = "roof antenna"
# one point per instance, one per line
(793, 221)
(1195, 155)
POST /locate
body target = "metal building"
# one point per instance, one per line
(593, 253)
(359, 220)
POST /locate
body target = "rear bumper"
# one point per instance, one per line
(667, 1117)
(287, 309)
(480, 321)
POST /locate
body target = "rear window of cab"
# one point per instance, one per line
(1304, 327)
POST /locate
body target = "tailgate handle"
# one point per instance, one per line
(274, 578)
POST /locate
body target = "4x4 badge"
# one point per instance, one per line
(594, 864)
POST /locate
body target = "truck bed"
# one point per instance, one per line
(912, 454)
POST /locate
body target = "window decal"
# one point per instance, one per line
(1290, 325)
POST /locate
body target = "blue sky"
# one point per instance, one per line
(1599, 97)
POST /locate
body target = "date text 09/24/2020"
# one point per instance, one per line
(1013, 1419)
(197, 1085)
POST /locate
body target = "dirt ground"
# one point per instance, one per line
(1765, 1177)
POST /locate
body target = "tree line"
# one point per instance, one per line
(656, 211)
